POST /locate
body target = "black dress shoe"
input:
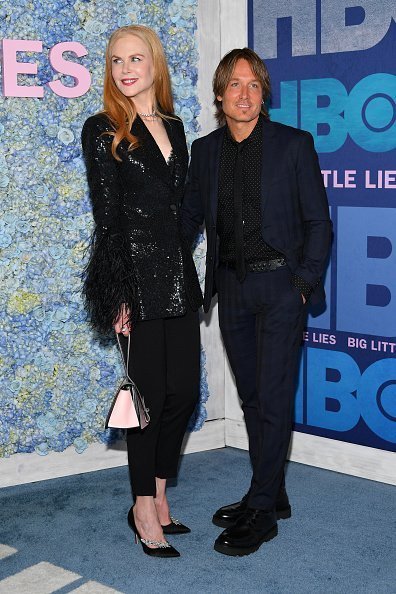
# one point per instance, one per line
(248, 533)
(227, 516)
(175, 527)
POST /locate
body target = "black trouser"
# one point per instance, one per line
(165, 365)
(261, 321)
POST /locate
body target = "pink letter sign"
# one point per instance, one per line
(77, 71)
(11, 68)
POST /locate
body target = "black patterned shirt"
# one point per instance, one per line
(255, 249)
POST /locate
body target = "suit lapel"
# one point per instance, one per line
(214, 169)
(269, 158)
(154, 158)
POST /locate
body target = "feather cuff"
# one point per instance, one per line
(109, 281)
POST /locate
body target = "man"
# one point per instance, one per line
(258, 187)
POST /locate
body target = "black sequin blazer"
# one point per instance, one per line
(138, 255)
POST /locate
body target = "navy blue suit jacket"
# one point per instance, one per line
(294, 209)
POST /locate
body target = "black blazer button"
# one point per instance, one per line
(173, 207)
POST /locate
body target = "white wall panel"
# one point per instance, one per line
(209, 47)
(331, 454)
(29, 468)
(233, 22)
(222, 25)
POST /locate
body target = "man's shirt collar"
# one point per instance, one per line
(255, 134)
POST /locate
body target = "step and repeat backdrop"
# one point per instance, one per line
(332, 70)
(56, 378)
(332, 67)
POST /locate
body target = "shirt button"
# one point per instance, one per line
(173, 207)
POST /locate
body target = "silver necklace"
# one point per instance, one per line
(152, 116)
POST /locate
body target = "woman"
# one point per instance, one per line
(141, 277)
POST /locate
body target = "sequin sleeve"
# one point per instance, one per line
(109, 278)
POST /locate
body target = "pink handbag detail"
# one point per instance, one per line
(128, 409)
(123, 414)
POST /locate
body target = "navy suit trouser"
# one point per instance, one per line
(261, 321)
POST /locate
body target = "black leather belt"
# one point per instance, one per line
(260, 266)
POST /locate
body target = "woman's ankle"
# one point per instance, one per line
(144, 506)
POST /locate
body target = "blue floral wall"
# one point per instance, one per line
(56, 378)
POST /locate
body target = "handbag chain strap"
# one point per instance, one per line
(126, 366)
(125, 363)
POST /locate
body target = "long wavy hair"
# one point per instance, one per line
(121, 110)
(224, 72)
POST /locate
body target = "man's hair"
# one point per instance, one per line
(224, 72)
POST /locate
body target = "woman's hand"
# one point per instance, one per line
(122, 325)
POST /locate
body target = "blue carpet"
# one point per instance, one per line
(341, 537)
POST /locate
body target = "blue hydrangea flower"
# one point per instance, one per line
(57, 383)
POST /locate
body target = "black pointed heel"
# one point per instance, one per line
(175, 527)
(162, 549)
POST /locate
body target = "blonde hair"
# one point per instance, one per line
(120, 109)
(224, 72)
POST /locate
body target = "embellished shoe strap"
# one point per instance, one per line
(175, 521)
(156, 543)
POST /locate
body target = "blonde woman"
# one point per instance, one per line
(141, 279)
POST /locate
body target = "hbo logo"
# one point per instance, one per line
(367, 114)
(338, 394)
